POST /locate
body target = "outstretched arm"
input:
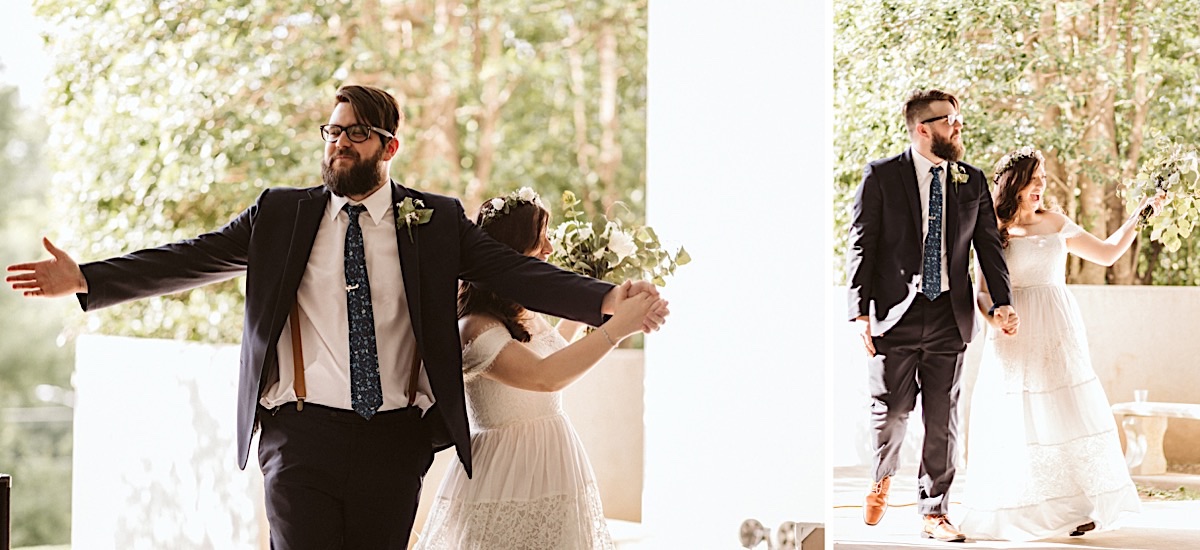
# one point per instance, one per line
(542, 287)
(58, 276)
(1106, 252)
(520, 367)
(209, 258)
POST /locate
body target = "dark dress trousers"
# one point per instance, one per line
(270, 243)
(922, 353)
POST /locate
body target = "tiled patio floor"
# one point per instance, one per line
(1161, 525)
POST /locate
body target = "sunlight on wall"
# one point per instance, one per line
(737, 169)
(154, 461)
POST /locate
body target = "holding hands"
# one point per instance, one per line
(1005, 319)
(644, 294)
(57, 276)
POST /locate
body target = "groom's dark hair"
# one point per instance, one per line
(372, 106)
(916, 107)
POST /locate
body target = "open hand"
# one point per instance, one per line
(864, 331)
(57, 276)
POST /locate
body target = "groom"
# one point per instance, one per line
(915, 218)
(359, 278)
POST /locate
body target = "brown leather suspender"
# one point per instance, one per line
(297, 359)
(298, 365)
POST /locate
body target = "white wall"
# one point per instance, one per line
(738, 152)
(154, 461)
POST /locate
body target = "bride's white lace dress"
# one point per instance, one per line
(1043, 454)
(532, 486)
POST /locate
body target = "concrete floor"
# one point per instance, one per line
(1161, 525)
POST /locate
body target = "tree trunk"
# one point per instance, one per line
(1110, 167)
(584, 150)
(436, 162)
(610, 149)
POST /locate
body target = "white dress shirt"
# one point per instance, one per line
(324, 325)
(924, 180)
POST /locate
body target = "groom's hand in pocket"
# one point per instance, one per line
(863, 323)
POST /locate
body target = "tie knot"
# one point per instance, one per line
(937, 170)
(353, 210)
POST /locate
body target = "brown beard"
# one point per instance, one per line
(946, 148)
(362, 177)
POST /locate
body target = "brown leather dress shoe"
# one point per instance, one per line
(1079, 531)
(877, 501)
(938, 527)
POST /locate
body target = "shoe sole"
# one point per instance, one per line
(960, 538)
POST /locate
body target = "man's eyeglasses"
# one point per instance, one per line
(950, 119)
(357, 133)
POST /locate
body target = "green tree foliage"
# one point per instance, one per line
(1088, 82)
(35, 450)
(170, 117)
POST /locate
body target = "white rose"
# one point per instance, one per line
(611, 227)
(526, 194)
(585, 231)
(497, 204)
(622, 244)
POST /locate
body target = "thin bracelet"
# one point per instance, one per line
(606, 336)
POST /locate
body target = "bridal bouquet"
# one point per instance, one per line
(608, 250)
(1174, 169)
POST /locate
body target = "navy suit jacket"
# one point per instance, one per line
(270, 242)
(884, 252)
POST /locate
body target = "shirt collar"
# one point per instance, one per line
(923, 164)
(377, 203)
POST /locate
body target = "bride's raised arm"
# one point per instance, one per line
(520, 367)
(1106, 252)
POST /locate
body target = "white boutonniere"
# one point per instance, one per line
(411, 213)
(958, 174)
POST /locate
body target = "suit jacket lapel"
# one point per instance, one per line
(950, 210)
(908, 180)
(410, 261)
(304, 232)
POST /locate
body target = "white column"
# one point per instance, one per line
(739, 173)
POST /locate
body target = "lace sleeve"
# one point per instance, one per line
(478, 354)
(1069, 230)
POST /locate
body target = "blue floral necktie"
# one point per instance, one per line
(365, 393)
(931, 267)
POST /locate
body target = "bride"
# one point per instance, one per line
(1044, 458)
(532, 486)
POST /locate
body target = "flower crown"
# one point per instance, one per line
(501, 205)
(1008, 161)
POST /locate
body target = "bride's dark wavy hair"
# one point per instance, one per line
(1010, 181)
(521, 228)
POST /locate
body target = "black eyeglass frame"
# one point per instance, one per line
(329, 137)
(950, 119)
